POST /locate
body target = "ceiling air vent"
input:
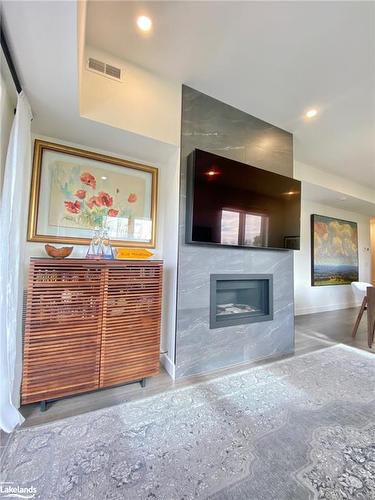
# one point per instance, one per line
(113, 71)
(104, 69)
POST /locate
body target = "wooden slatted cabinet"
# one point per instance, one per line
(89, 325)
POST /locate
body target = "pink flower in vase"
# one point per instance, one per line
(104, 199)
(112, 212)
(73, 207)
(93, 201)
(88, 179)
(81, 194)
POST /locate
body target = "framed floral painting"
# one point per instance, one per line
(75, 191)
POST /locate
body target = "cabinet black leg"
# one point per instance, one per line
(43, 405)
(143, 382)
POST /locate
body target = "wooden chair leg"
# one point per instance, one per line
(371, 336)
(370, 315)
(359, 317)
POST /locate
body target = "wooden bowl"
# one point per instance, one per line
(58, 253)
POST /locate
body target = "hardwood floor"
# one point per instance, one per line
(313, 332)
(331, 327)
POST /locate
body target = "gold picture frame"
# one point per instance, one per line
(59, 214)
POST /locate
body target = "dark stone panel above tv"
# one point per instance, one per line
(213, 126)
(216, 127)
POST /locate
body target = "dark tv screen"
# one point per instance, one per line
(234, 204)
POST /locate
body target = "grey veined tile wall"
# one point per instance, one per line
(216, 127)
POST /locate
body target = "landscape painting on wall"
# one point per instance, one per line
(334, 251)
(76, 191)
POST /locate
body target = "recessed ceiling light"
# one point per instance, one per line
(311, 113)
(144, 23)
(104, 178)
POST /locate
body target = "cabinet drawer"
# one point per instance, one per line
(131, 324)
(53, 369)
(63, 330)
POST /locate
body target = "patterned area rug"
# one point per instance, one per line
(296, 429)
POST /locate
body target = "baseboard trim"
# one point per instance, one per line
(168, 365)
(316, 309)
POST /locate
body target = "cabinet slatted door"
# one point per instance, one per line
(63, 329)
(131, 322)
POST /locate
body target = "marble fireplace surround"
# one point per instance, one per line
(213, 126)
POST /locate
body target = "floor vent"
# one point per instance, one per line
(104, 69)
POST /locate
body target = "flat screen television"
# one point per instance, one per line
(234, 204)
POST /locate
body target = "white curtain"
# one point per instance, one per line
(13, 217)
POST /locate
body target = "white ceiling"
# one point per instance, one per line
(274, 60)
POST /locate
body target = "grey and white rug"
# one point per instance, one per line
(296, 429)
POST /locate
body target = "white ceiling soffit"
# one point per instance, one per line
(274, 60)
(324, 196)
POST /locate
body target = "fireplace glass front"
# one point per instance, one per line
(240, 298)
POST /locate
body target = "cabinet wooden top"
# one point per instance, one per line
(93, 262)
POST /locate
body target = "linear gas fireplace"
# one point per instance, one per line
(240, 298)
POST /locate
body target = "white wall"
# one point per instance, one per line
(170, 251)
(309, 299)
(7, 106)
(372, 249)
(142, 103)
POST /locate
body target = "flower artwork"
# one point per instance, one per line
(83, 191)
(88, 197)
